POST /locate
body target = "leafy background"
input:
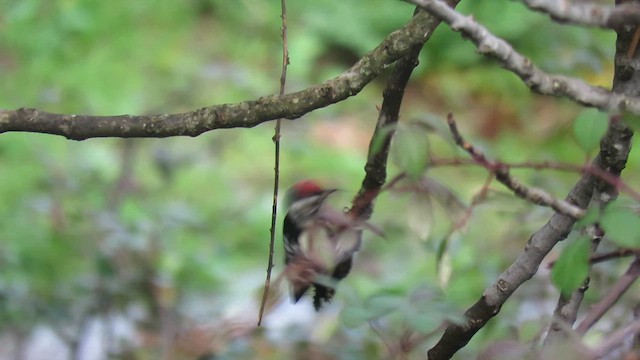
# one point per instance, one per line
(111, 244)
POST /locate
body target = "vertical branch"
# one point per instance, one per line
(276, 168)
(565, 314)
(376, 167)
(624, 81)
(566, 311)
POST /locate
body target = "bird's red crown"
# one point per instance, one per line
(307, 188)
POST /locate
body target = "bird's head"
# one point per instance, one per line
(305, 198)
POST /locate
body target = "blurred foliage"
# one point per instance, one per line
(172, 234)
(572, 267)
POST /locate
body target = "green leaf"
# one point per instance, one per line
(380, 137)
(572, 266)
(440, 251)
(588, 129)
(411, 150)
(622, 226)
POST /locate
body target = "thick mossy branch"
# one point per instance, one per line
(240, 115)
(376, 167)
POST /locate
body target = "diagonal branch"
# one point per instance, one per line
(566, 311)
(587, 14)
(245, 114)
(614, 150)
(614, 181)
(536, 79)
(611, 297)
(613, 155)
(617, 339)
(503, 175)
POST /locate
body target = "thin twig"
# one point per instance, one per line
(592, 169)
(477, 199)
(617, 339)
(617, 290)
(617, 254)
(614, 180)
(502, 174)
(276, 168)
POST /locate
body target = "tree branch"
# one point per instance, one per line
(613, 155)
(566, 311)
(616, 340)
(276, 165)
(611, 297)
(376, 167)
(605, 192)
(537, 80)
(614, 181)
(245, 114)
(614, 151)
(616, 254)
(502, 174)
(587, 14)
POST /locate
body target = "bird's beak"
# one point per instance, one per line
(328, 192)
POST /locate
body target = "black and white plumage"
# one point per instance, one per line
(319, 242)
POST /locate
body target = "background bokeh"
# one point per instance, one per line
(143, 248)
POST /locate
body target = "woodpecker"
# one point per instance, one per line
(319, 242)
